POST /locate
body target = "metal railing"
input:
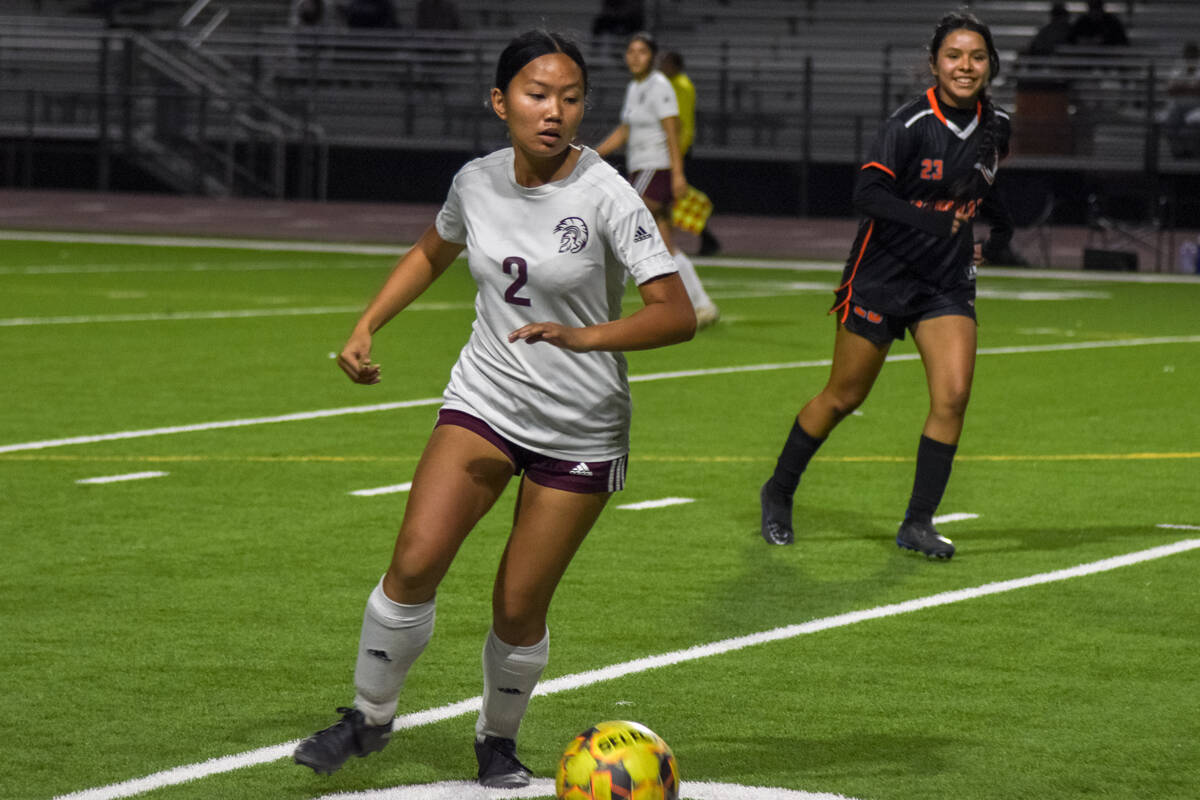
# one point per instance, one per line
(157, 104)
(255, 111)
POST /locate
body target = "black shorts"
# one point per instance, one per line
(884, 329)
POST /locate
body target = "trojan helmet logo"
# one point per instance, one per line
(574, 234)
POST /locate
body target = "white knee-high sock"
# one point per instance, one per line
(691, 281)
(509, 675)
(393, 635)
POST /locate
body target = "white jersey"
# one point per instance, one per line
(647, 103)
(560, 253)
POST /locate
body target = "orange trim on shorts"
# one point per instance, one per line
(849, 284)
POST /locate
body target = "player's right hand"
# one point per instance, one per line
(355, 360)
(960, 218)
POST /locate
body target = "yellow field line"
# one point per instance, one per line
(201, 459)
(902, 459)
(304, 459)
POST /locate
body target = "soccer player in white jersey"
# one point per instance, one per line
(551, 233)
(649, 132)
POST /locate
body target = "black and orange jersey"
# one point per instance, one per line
(922, 157)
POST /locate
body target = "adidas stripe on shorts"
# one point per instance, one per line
(584, 477)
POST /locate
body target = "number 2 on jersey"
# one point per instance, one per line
(510, 294)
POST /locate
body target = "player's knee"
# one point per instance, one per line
(518, 622)
(413, 577)
(843, 402)
(952, 404)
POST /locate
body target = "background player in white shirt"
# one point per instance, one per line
(551, 233)
(649, 131)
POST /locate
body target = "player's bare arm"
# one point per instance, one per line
(614, 141)
(666, 317)
(678, 179)
(414, 273)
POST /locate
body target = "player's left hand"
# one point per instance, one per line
(553, 333)
(679, 185)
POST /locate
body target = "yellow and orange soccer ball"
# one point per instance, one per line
(617, 760)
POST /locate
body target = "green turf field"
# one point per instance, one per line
(212, 611)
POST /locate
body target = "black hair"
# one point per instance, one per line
(535, 44)
(989, 144)
(961, 20)
(672, 57)
(648, 38)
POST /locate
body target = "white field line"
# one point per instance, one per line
(983, 351)
(187, 266)
(131, 476)
(245, 313)
(1179, 527)
(199, 241)
(657, 376)
(209, 426)
(397, 488)
(1085, 276)
(954, 518)
(544, 788)
(566, 683)
(663, 503)
(398, 249)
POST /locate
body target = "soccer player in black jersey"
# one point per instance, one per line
(912, 267)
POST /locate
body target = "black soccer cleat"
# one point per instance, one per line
(499, 767)
(326, 750)
(924, 538)
(776, 517)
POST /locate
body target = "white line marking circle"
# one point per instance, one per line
(544, 788)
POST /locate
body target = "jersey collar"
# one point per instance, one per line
(962, 133)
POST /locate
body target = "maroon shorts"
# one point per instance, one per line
(653, 184)
(584, 477)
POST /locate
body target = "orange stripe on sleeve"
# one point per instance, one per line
(877, 165)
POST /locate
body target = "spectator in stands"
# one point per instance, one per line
(1054, 33)
(438, 15)
(106, 9)
(1098, 27)
(1182, 116)
(619, 17)
(671, 65)
(369, 14)
(649, 132)
(307, 13)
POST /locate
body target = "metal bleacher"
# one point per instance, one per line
(215, 94)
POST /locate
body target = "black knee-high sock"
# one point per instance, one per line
(797, 452)
(934, 460)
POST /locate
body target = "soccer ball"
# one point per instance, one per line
(617, 761)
